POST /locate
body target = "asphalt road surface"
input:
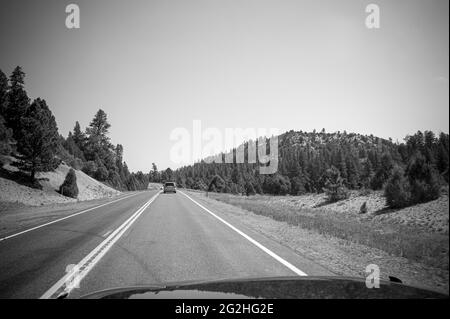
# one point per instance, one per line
(148, 238)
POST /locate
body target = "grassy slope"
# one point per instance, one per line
(395, 235)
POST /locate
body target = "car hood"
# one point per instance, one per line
(270, 288)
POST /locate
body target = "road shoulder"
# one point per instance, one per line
(340, 256)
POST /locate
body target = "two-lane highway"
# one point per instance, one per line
(144, 239)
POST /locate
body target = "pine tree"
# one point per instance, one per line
(367, 173)
(97, 142)
(442, 158)
(69, 188)
(298, 184)
(70, 145)
(154, 174)
(17, 102)
(217, 184)
(249, 189)
(334, 185)
(423, 179)
(383, 172)
(79, 137)
(3, 93)
(37, 140)
(5, 137)
(397, 191)
(99, 128)
(5, 132)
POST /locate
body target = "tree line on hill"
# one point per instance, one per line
(29, 132)
(314, 162)
(309, 162)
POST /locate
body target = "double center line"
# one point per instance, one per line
(79, 271)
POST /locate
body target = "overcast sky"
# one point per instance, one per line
(303, 65)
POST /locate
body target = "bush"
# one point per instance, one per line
(277, 185)
(69, 188)
(422, 192)
(396, 190)
(249, 189)
(217, 184)
(234, 189)
(334, 185)
(363, 208)
(423, 179)
(298, 185)
(76, 163)
(90, 168)
(101, 174)
(5, 138)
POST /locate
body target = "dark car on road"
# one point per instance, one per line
(169, 187)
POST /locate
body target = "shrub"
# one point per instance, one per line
(5, 137)
(298, 185)
(422, 192)
(76, 163)
(249, 189)
(69, 188)
(396, 190)
(383, 172)
(90, 168)
(101, 174)
(217, 184)
(423, 179)
(234, 189)
(363, 208)
(277, 184)
(334, 185)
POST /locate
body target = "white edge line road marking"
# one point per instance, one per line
(60, 219)
(88, 262)
(266, 250)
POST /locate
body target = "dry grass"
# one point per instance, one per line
(398, 240)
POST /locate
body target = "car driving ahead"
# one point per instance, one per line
(169, 187)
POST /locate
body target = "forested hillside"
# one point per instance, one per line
(309, 162)
(314, 162)
(28, 131)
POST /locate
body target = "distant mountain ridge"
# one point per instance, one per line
(304, 159)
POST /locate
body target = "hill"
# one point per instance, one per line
(13, 189)
(306, 158)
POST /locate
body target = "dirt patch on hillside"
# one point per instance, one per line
(88, 188)
(17, 190)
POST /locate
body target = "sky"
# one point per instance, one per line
(154, 66)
